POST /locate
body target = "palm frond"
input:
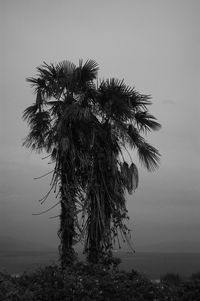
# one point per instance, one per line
(114, 99)
(50, 81)
(76, 112)
(66, 67)
(148, 156)
(66, 78)
(47, 71)
(35, 141)
(65, 71)
(139, 101)
(54, 103)
(115, 86)
(30, 112)
(133, 137)
(146, 121)
(45, 83)
(40, 120)
(37, 83)
(87, 72)
(39, 125)
(33, 81)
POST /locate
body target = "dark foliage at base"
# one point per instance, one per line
(93, 283)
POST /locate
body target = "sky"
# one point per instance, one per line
(153, 45)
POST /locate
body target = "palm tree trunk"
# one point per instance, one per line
(94, 234)
(98, 240)
(67, 230)
(99, 212)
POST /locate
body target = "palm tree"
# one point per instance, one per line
(58, 124)
(85, 127)
(123, 115)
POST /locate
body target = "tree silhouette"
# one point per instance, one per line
(85, 127)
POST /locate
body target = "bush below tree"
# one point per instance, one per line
(92, 282)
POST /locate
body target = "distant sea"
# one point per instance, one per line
(153, 265)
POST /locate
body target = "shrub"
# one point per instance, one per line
(93, 282)
(195, 276)
(171, 278)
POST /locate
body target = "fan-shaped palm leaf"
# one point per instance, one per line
(67, 67)
(87, 72)
(114, 99)
(30, 112)
(146, 121)
(149, 156)
(139, 101)
(39, 125)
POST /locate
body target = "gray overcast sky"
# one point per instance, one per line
(154, 45)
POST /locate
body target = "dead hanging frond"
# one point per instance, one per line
(46, 174)
(128, 153)
(126, 239)
(39, 99)
(129, 176)
(133, 177)
(46, 157)
(47, 209)
(45, 197)
(55, 216)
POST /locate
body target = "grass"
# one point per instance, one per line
(89, 282)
